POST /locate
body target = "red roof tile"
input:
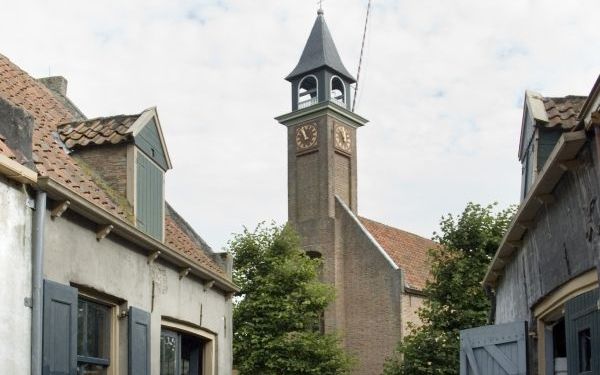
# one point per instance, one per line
(563, 112)
(113, 130)
(409, 251)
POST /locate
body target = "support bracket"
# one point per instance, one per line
(152, 257)
(60, 209)
(184, 272)
(103, 231)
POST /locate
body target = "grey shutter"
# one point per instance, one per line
(59, 352)
(581, 314)
(139, 342)
(494, 350)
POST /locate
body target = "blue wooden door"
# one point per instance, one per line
(494, 350)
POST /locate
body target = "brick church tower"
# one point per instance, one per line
(366, 261)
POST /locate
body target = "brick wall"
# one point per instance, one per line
(372, 289)
(410, 304)
(110, 162)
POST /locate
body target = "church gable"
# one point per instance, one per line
(409, 251)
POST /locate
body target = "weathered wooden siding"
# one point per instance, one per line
(555, 250)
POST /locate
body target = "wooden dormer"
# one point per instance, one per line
(129, 154)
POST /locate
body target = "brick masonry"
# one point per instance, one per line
(110, 162)
(371, 310)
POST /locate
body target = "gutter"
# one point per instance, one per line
(128, 232)
(37, 275)
(562, 159)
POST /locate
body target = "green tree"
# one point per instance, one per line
(456, 299)
(277, 313)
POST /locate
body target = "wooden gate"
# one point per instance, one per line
(494, 350)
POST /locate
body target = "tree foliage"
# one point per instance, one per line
(456, 299)
(277, 313)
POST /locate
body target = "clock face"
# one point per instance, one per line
(343, 139)
(306, 136)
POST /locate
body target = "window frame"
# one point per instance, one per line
(209, 348)
(113, 331)
(552, 307)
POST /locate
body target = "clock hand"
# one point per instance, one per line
(304, 134)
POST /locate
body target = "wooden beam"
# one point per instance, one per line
(60, 209)
(545, 198)
(103, 231)
(184, 272)
(208, 285)
(515, 244)
(526, 225)
(152, 257)
(570, 165)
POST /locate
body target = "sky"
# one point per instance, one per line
(442, 84)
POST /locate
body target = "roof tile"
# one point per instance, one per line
(409, 251)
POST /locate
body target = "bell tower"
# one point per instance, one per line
(321, 132)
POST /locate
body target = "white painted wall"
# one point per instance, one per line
(15, 279)
(118, 268)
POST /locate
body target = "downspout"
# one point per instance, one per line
(37, 275)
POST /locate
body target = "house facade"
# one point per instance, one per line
(108, 278)
(544, 273)
(378, 271)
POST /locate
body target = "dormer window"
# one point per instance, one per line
(128, 153)
(308, 92)
(338, 91)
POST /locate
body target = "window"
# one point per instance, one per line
(337, 94)
(93, 337)
(181, 354)
(585, 350)
(307, 92)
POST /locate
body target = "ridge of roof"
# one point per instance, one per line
(408, 250)
(320, 51)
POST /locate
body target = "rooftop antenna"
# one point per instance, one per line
(362, 51)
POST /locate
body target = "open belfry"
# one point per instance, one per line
(378, 271)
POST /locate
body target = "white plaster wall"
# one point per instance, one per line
(15, 279)
(118, 268)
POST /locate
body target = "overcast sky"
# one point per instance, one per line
(442, 86)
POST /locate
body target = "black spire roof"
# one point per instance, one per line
(320, 51)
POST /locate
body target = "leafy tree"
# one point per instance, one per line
(456, 299)
(277, 313)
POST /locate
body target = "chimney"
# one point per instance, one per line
(16, 126)
(57, 84)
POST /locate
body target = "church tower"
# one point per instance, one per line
(321, 132)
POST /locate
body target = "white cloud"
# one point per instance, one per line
(442, 85)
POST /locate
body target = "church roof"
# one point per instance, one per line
(409, 251)
(319, 52)
(51, 160)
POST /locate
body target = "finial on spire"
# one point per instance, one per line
(320, 11)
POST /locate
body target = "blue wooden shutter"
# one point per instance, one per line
(139, 342)
(60, 329)
(582, 323)
(149, 197)
(494, 350)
